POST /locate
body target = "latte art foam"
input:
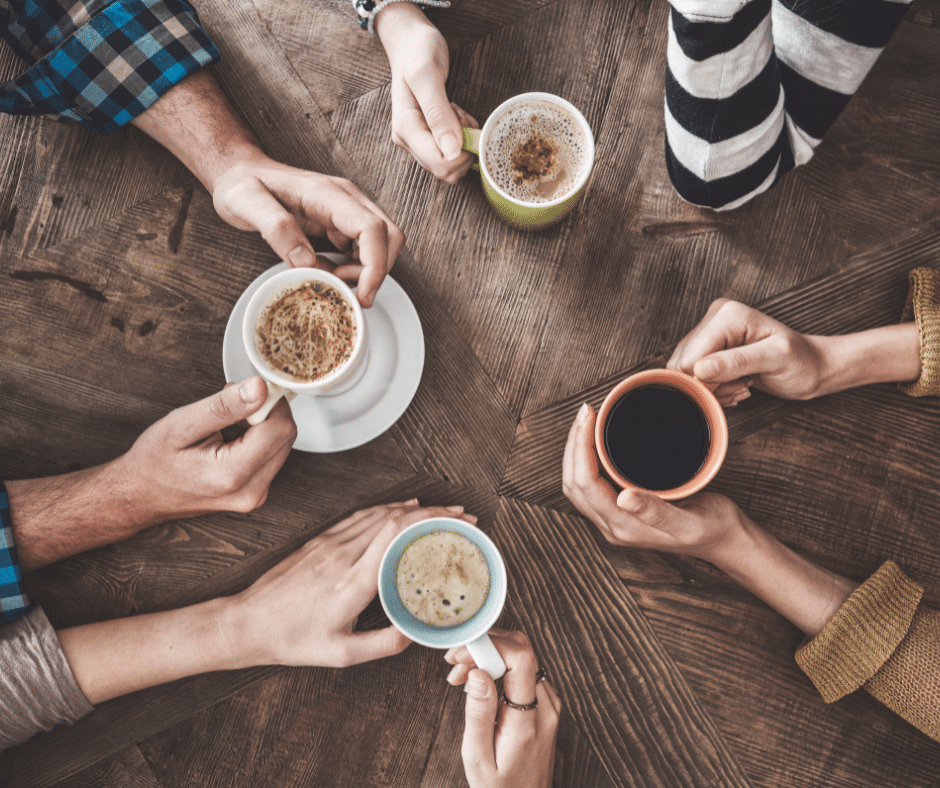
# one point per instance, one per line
(536, 152)
(306, 331)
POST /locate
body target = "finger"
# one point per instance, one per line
(370, 547)
(354, 524)
(459, 674)
(465, 118)
(657, 515)
(263, 441)
(679, 358)
(375, 644)
(439, 115)
(192, 423)
(396, 238)
(546, 694)
(479, 745)
(259, 208)
(592, 495)
(737, 362)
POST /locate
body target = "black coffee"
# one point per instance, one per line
(657, 437)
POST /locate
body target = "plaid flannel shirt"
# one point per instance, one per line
(99, 62)
(13, 600)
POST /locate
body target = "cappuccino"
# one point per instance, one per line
(536, 152)
(443, 579)
(306, 331)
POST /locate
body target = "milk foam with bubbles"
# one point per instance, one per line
(547, 120)
(443, 579)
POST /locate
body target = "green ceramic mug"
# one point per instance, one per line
(530, 214)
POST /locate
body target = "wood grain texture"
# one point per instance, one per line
(591, 635)
(127, 769)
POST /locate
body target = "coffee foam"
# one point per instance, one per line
(443, 579)
(306, 331)
(527, 121)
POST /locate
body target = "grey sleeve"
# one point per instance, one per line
(37, 688)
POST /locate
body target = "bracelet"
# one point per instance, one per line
(368, 10)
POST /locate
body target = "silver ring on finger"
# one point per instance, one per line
(519, 706)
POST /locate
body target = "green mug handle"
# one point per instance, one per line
(471, 144)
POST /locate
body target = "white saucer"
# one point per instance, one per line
(343, 421)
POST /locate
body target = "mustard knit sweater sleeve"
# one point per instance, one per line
(923, 306)
(883, 640)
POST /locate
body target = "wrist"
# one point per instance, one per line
(394, 21)
(890, 354)
(239, 645)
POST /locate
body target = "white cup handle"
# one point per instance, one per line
(275, 392)
(486, 656)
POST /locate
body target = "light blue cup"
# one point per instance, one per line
(472, 633)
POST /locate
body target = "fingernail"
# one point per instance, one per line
(450, 147)
(411, 502)
(449, 654)
(250, 391)
(301, 257)
(582, 413)
(470, 518)
(476, 687)
(453, 674)
(743, 395)
(455, 509)
(707, 368)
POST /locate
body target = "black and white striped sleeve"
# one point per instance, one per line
(752, 87)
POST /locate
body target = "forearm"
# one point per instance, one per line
(890, 354)
(113, 658)
(60, 516)
(196, 123)
(802, 592)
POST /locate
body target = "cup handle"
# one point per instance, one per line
(471, 140)
(275, 392)
(486, 656)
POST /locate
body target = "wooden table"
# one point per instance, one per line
(117, 280)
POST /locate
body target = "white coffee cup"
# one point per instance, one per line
(341, 379)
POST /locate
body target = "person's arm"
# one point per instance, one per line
(179, 467)
(735, 346)
(424, 122)
(873, 636)
(271, 622)
(505, 747)
(251, 191)
(103, 68)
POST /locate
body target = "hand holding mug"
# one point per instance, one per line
(304, 610)
(182, 467)
(424, 122)
(286, 204)
(701, 526)
(505, 747)
(735, 346)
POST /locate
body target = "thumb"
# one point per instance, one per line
(734, 363)
(479, 747)
(440, 116)
(193, 423)
(375, 644)
(649, 509)
(256, 207)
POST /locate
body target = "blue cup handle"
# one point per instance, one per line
(486, 656)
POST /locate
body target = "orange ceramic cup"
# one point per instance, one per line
(707, 404)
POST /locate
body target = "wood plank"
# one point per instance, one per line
(650, 729)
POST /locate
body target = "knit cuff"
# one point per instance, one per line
(923, 306)
(862, 635)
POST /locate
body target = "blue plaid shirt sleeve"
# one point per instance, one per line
(97, 63)
(13, 600)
